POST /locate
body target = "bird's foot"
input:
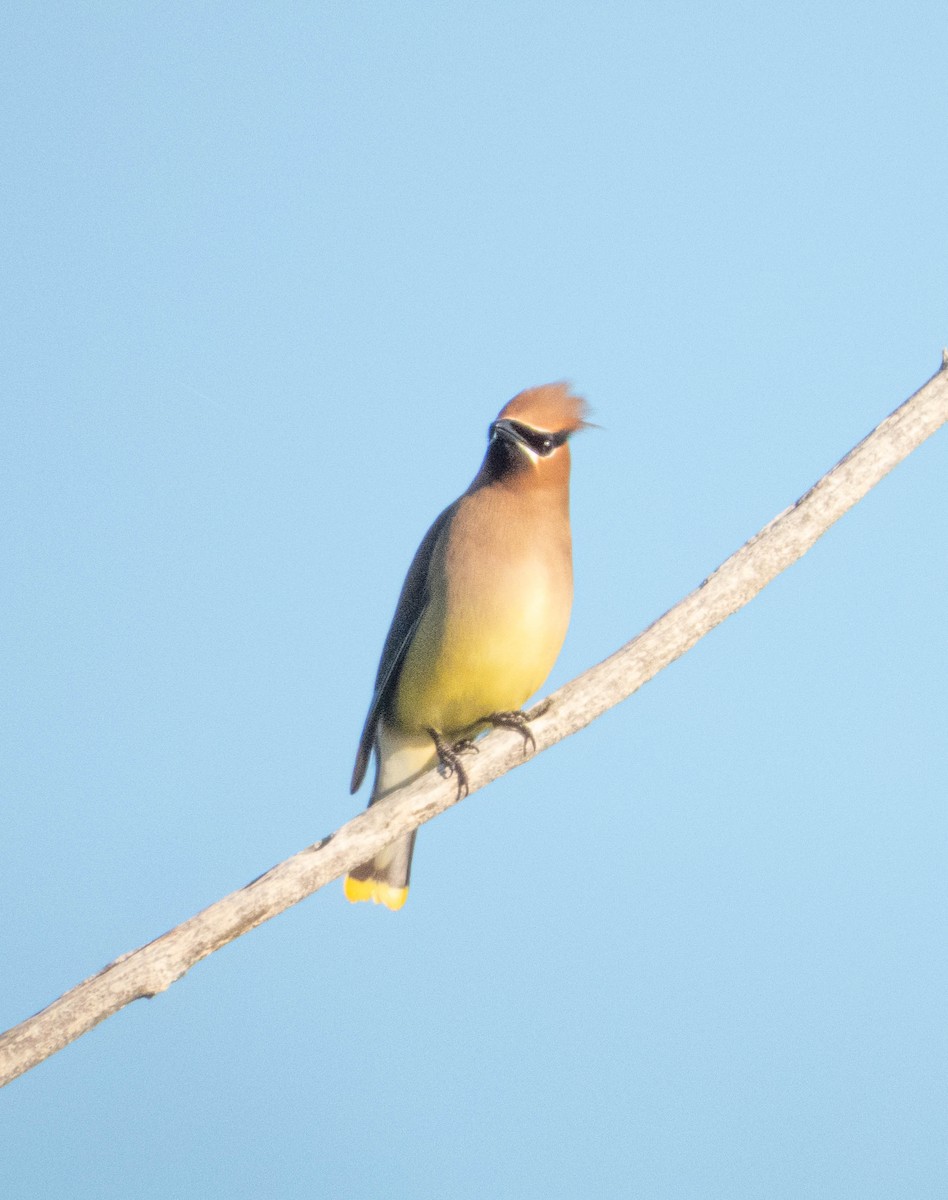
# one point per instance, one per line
(517, 721)
(449, 759)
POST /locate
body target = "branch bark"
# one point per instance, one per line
(154, 967)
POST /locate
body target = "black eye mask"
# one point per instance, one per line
(541, 443)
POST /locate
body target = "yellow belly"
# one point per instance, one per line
(477, 654)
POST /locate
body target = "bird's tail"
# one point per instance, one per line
(384, 878)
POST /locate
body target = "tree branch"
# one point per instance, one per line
(154, 967)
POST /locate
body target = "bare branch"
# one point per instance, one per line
(154, 967)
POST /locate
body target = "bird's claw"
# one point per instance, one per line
(517, 721)
(449, 760)
(449, 753)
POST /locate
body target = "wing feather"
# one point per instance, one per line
(408, 613)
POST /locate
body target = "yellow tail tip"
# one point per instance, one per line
(376, 891)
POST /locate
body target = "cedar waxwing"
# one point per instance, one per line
(480, 620)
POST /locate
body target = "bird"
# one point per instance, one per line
(480, 620)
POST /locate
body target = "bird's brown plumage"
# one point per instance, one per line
(552, 407)
(482, 613)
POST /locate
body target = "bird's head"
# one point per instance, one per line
(529, 440)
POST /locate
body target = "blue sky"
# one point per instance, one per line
(270, 272)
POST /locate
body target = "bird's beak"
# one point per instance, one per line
(509, 432)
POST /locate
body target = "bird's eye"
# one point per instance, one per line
(537, 441)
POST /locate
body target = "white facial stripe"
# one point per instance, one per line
(531, 454)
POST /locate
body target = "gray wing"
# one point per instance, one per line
(408, 612)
